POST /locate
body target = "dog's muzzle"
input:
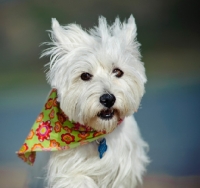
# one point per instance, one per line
(107, 100)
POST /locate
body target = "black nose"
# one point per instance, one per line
(107, 100)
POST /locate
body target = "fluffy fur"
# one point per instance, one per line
(98, 52)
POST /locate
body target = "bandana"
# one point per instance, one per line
(52, 131)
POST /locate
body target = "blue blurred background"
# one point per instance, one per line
(170, 110)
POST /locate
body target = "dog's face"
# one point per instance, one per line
(98, 74)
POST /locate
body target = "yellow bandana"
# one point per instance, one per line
(52, 131)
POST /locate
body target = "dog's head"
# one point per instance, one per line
(98, 74)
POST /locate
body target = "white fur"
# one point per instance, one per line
(98, 52)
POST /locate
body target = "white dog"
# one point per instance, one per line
(100, 80)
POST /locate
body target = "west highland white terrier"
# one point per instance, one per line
(99, 79)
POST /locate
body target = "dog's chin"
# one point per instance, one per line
(105, 120)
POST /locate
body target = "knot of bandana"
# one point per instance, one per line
(52, 131)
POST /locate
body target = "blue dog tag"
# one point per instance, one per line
(102, 147)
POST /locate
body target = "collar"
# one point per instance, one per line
(52, 131)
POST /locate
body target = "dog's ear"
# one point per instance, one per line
(126, 32)
(68, 37)
(130, 30)
(64, 39)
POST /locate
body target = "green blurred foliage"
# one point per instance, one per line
(167, 30)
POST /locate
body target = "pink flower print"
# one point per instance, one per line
(43, 131)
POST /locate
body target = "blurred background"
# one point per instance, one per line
(170, 110)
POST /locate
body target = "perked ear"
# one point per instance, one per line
(126, 32)
(58, 33)
(130, 30)
(67, 37)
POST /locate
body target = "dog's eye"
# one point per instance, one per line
(118, 73)
(86, 76)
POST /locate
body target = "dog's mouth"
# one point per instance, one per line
(106, 114)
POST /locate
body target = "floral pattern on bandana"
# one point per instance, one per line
(53, 143)
(49, 103)
(40, 117)
(31, 134)
(52, 114)
(67, 138)
(24, 148)
(57, 127)
(43, 131)
(52, 131)
(36, 146)
(83, 135)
